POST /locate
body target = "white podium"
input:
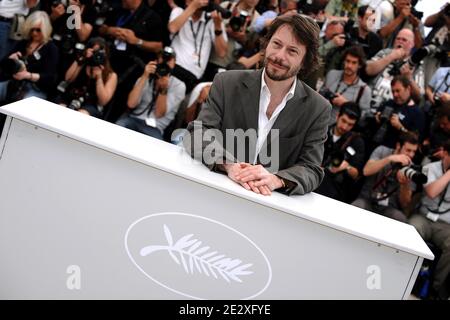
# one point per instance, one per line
(90, 210)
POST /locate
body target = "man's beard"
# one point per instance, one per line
(290, 72)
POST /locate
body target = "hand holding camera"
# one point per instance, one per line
(338, 100)
(395, 121)
(402, 159)
(150, 69)
(339, 40)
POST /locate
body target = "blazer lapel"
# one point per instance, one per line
(250, 98)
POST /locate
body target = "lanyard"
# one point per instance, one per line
(444, 81)
(442, 199)
(123, 20)
(152, 102)
(195, 34)
(347, 86)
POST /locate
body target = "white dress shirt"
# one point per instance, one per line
(265, 124)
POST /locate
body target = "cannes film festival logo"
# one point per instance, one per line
(197, 257)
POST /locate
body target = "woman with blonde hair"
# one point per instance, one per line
(31, 69)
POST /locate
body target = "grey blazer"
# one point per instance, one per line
(233, 103)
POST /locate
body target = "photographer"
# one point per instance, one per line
(343, 156)
(155, 98)
(345, 85)
(438, 90)
(9, 13)
(194, 32)
(363, 34)
(439, 134)
(135, 31)
(387, 191)
(388, 63)
(399, 115)
(31, 70)
(239, 28)
(66, 35)
(432, 220)
(91, 80)
(403, 16)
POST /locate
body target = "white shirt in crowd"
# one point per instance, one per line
(193, 42)
(8, 8)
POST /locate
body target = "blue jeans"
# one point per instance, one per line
(139, 125)
(6, 44)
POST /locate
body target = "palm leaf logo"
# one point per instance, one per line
(193, 256)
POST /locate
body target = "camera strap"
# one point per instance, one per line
(447, 85)
(383, 180)
(195, 35)
(152, 102)
(442, 198)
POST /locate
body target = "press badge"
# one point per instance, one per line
(384, 202)
(432, 216)
(151, 122)
(120, 45)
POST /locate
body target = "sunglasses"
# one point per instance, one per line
(35, 29)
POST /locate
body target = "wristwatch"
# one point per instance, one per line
(218, 32)
(403, 129)
(140, 43)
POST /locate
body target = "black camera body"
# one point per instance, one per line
(385, 117)
(97, 59)
(9, 67)
(327, 94)
(214, 6)
(237, 22)
(163, 68)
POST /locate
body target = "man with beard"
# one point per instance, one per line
(345, 85)
(278, 113)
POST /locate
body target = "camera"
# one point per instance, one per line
(163, 69)
(102, 9)
(385, 116)
(9, 67)
(336, 158)
(440, 52)
(97, 59)
(237, 22)
(76, 104)
(213, 6)
(68, 44)
(327, 94)
(414, 175)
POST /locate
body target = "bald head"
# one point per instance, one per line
(404, 39)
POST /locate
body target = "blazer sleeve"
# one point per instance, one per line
(307, 173)
(203, 139)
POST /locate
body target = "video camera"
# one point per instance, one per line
(237, 22)
(163, 68)
(211, 6)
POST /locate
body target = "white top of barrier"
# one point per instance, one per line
(173, 159)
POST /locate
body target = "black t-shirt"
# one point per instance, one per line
(371, 44)
(146, 25)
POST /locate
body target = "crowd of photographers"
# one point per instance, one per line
(147, 65)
